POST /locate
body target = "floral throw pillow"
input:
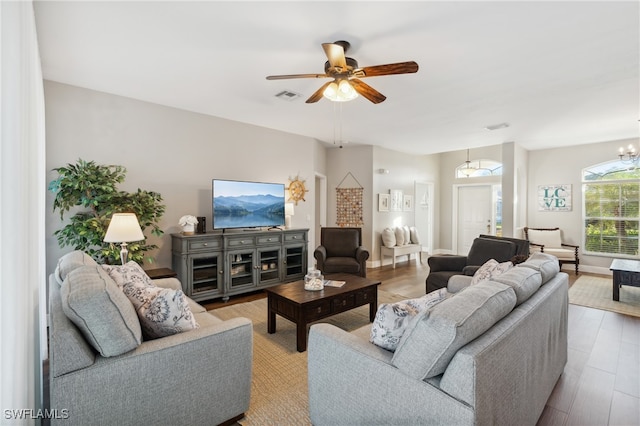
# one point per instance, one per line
(491, 268)
(393, 318)
(161, 311)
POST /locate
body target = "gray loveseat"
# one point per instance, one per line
(201, 376)
(490, 354)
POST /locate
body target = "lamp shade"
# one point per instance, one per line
(288, 209)
(123, 228)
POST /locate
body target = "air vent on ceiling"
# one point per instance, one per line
(497, 126)
(288, 95)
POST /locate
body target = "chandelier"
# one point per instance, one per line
(630, 156)
(468, 169)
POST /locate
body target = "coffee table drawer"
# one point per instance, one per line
(365, 296)
(317, 310)
(343, 303)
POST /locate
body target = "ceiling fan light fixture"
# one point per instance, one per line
(341, 91)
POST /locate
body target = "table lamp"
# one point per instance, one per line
(288, 212)
(123, 228)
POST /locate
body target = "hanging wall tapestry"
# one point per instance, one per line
(349, 203)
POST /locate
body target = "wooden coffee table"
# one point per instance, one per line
(625, 272)
(303, 307)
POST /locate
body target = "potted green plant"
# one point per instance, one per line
(91, 190)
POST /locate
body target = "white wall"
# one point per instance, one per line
(404, 171)
(170, 151)
(564, 166)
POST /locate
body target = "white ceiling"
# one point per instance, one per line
(560, 73)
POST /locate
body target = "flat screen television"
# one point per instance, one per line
(241, 204)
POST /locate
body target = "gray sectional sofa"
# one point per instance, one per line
(490, 354)
(201, 376)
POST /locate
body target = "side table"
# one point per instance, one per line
(158, 273)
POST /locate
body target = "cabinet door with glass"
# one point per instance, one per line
(207, 275)
(240, 270)
(295, 262)
(268, 265)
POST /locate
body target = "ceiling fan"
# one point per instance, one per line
(346, 75)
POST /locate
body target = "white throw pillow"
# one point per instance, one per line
(407, 235)
(388, 237)
(161, 311)
(392, 318)
(399, 236)
(491, 268)
(413, 233)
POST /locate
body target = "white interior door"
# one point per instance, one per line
(474, 214)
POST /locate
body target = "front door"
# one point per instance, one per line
(474, 215)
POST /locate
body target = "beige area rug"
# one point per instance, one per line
(279, 384)
(597, 292)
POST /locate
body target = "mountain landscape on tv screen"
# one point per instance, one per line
(248, 211)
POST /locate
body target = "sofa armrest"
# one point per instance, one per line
(320, 254)
(172, 283)
(458, 282)
(362, 254)
(447, 263)
(202, 373)
(341, 365)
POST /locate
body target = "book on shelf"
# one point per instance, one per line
(333, 283)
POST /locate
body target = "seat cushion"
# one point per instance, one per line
(547, 238)
(71, 261)
(562, 254)
(432, 339)
(104, 315)
(341, 264)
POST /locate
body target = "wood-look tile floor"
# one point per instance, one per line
(601, 382)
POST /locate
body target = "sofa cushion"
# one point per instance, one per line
(388, 237)
(544, 263)
(162, 311)
(104, 315)
(491, 268)
(432, 339)
(413, 234)
(524, 281)
(71, 261)
(392, 318)
(399, 236)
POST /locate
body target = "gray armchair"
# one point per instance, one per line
(341, 250)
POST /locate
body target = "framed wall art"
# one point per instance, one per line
(395, 203)
(383, 202)
(554, 198)
(407, 204)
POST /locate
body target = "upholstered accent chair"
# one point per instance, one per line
(341, 250)
(485, 247)
(549, 240)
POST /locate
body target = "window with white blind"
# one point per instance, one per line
(610, 207)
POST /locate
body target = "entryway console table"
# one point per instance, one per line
(219, 265)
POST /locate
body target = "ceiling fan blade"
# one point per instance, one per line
(335, 54)
(367, 91)
(284, 77)
(388, 69)
(318, 93)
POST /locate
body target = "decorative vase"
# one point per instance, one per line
(188, 229)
